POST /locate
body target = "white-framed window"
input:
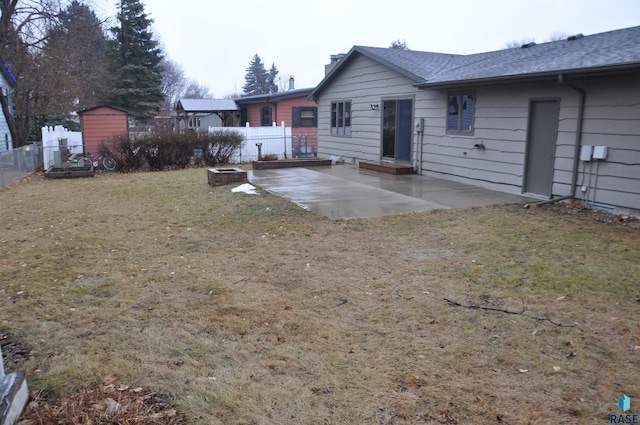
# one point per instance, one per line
(460, 113)
(341, 118)
(195, 122)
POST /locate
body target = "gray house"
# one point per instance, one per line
(6, 78)
(200, 114)
(558, 119)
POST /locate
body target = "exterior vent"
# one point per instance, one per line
(575, 37)
(526, 46)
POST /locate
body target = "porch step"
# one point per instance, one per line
(387, 167)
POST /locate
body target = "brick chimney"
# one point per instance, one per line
(334, 61)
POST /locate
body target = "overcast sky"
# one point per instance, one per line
(214, 40)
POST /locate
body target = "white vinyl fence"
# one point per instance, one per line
(275, 140)
(59, 139)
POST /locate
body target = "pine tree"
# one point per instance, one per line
(398, 44)
(255, 80)
(136, 83)
(272, 79)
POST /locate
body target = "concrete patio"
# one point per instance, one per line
(344, 191)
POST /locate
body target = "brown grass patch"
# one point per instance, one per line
(246, 309)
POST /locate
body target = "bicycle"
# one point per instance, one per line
(107, 162)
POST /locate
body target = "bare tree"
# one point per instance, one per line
(555, 36)
(24, 25)
(174, 83)
(197, 91)
(558, 35)
(74, 63)
(515, 43)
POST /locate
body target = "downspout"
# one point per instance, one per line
(578, 142)
(419, 153)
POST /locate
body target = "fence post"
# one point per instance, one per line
(1, 366)
(284, 137)
(246, 141)
(14, 394)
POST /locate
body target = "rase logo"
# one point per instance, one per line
(624, 404)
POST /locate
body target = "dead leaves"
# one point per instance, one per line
(110, 403)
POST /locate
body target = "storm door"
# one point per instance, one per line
(397, 129)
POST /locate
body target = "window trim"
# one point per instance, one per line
(340, 116)
(297, 118)
(459, 99)
(195, 122)
(263, 115)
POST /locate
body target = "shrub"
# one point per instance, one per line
(220, 145)
(162, 149)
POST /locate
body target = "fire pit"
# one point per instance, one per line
(222, 176)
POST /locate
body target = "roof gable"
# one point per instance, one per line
(416, 66)
(95, 108)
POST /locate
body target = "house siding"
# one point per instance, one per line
(5, 133)
(283, 111)
(612, 119)
(501, 119)
(206, 121)
(363, 82)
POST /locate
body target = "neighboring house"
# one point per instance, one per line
(516, 120)
(200, 114)
(6, 85)
(100, 124)
(166, 120)
(290, 106)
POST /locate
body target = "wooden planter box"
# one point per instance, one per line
(290, 163)
(69, 172)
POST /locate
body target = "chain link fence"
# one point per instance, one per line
(16, 164)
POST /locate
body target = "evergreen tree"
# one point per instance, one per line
(136, 83)
(257, 80)
(397, 44)
(272, 80)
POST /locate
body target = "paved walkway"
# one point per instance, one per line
(345, 191)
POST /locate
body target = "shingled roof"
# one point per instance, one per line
(611, 51)
(274, 97)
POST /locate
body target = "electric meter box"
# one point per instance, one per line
(600, 152)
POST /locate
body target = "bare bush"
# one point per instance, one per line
(159, 150)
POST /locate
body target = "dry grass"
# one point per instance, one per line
(249, 310)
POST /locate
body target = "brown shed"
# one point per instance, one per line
(100, 124)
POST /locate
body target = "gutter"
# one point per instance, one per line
(517, 78)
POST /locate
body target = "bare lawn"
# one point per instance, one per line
(155, 298)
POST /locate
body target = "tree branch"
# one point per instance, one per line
(481, 307)
(502, 310)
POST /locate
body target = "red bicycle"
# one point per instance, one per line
(106, 162)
